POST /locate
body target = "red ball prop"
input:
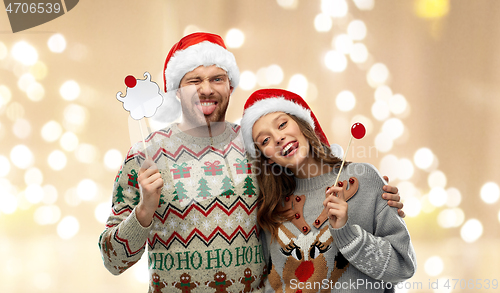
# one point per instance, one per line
(130, 81)
(358, 130)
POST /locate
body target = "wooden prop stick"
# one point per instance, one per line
(143, 139)
(343, 160)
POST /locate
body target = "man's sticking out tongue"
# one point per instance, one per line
(206, 107)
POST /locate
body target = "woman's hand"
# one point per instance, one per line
(337, 207)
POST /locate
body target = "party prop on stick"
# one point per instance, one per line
(358, 131)
(142, 99)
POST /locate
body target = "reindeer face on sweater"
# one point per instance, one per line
(305, 258)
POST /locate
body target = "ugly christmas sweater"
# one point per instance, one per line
(370, 253)
(203, 237)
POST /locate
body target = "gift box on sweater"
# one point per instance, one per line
(213, 169)
(132, 179)
(243, 167)
(181, 171)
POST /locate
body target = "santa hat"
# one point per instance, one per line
(195, 50)
(266, 101)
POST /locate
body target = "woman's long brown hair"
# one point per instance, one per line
(277, 182)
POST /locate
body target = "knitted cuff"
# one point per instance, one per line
(133, 232)
(345, 236)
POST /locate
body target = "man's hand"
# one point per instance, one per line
(337, 207)
(393, 199)
(150, 185)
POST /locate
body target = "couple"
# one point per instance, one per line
(196, 201)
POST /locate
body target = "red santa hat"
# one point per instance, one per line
(266, 101)
(195, 50)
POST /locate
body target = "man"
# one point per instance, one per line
(191, 196)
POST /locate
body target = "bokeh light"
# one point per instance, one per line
(437, 196)
(86, 153)
(68, 227)
(5, 95)
(57, 160)
(39, 70)
(102, 211)
(34, 193)
(412, 207)
(234, 38)
(25, 81)
(274, 74)
(334, 8)
(298, 84)
(21, 128)
(70, 90)
(248, 80)
(437, 179)
(113, 159)
(383, 142)
(140, 270)
(342, 43)
(380, 110)
(3, 51)
(87, 189)
(345, 101)
(454, 197)
(15, 111)
(335, 61)
(75, 117)
(378, 74)
(431, 8)
(365, 4)
(490, 192)
(21, 156)
(383, 93)
(35, 92)
(51, 131)
(398, 104)
(9, 201)
(393, 127)
(71, 197)
(56, 43)
(471, 230)
(359, 53)
(4, 166)
(49, 194)
(434, 266)
(405, 168)
(69, 141)
(356, 30)
(33, 176)
(24, 53)
(423, 158)
(323, 22)
(451, 218)
(389, 166)
(288, 4)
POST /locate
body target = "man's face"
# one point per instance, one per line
(204, 94)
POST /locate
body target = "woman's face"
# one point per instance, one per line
(280, 139)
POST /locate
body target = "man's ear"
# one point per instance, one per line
(231, 89)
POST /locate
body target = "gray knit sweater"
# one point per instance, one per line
(370, 253)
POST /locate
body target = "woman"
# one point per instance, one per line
(364, 247)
